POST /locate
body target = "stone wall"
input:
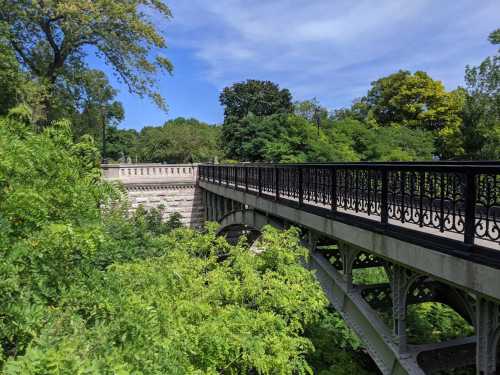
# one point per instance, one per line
(183, 199)
(151, 185)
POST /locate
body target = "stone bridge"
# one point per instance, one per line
(432, 230)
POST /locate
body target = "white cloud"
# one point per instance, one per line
(331, 49)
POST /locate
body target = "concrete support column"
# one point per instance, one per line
(218, 210)
(222, 201)
(401, 281)
(349, 255)
(487, 333)
(204, 200)
(214, 207)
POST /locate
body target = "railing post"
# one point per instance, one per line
(277, 182)
(384, 207)
(236, 178)
(245, 168)
(470, 207)
(333, 180)
(301, 189)
(259, 179)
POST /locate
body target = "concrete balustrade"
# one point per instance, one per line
(141, 173)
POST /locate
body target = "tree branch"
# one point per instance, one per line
(24, 57)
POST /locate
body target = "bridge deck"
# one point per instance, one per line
(457, 203)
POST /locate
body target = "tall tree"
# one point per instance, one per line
(262, 98)
(51, 39)
(246, 101)
(179, 141)
(481, 128)
(419, 102)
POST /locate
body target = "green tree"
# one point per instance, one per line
(98, 107)
(246, 101)
(179, 141)
(299, 141)
(311, 110)
(396, 144)
(481, 127)
(418, 102)
(262, 98)
(15, 86)
(122, 144)
(51, 39)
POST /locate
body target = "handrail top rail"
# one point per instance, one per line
(483, 166)
(146, 165)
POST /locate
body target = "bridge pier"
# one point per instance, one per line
(487, 336)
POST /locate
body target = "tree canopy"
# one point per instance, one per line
(481, 119)
(261, 98)
(51, 39)
(179, 141)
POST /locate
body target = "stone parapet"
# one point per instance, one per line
(173, 186)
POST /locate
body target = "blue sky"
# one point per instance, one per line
(326, 49)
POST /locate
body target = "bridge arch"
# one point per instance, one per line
(249, 218)
(245, 222)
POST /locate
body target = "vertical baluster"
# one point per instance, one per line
(421, 199)
(356, 190)
(245, 169)
(402, 193)
(259, 179)
(333, 178)
(470, 207)
(323, 186)
(315, 185)
(346, 188)
(369, 192)
(301, 189)
(384, 209)
(277, 182)
(441, 202)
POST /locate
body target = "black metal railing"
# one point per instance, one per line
(446, 197)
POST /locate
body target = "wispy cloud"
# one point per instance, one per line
(332, 49)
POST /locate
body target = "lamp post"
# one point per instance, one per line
(103, 156)
(317, 118)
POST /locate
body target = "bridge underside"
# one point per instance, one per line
(378, 312)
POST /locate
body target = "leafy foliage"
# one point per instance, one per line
(185, 312)
(179, 141)
(89, 290)
(245, 103)
(49, 38)
(481, 126)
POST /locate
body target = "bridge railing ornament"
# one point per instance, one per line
(458, 200)
(140, 173)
